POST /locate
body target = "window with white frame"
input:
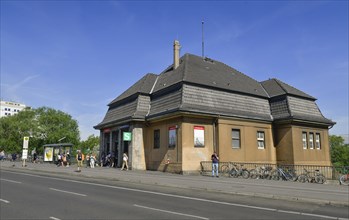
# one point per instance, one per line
(235, 133)
(304, 140)
(317, 141)
(260, 139)
(311, 140)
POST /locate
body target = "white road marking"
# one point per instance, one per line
(177, 196)
(78, 194)
(12, 181)
(54, 218)
(175, 213)
(320, 216)
(5, 201)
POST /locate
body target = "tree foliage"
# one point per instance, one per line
(43, 125)
(339, 151)
(91, 144)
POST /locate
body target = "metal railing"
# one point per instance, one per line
(330, 172)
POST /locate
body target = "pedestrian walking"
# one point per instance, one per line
(215, 161)
(124, 162)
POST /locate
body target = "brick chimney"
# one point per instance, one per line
(176, 47)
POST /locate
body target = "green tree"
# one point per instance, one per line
(339, 151)
(91, 144)
(43, 125)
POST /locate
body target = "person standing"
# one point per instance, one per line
(215, 161)
(68, 158)
(124, 162)
(79, 159)
(14, 158)
(92, 161)
(2, 155)
(59, 159)
(35, 157)
(87, 160)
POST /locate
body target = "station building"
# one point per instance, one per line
(197, 105)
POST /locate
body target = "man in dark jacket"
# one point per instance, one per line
(215, 161)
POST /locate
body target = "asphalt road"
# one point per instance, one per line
(32, 196)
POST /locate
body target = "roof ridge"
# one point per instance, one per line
(247, 76)
(185, 68)
(279, 83)
(144, 80)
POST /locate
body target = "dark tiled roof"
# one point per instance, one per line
(275, 87)
(143, 86)
(208, 72)
(208, 86)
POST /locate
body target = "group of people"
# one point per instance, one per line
(91, 160)
(63, 159)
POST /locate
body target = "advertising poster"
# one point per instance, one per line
(48, 154)
(172, 136)
(199, 136)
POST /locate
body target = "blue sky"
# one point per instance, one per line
(77, 56)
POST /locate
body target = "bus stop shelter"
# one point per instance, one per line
(52, 150)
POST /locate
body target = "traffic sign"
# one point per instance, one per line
(25, 142)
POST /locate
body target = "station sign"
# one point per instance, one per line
(127, 136)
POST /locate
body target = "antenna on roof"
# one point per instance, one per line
(202, 33)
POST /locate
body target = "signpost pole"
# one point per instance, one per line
(25, 151)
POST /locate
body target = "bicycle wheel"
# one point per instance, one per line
(344, 180)
(225, 169)
(320, 179)
(302, 178)
(245, 174)
(253, 174)
(275, 175)
(234, 173)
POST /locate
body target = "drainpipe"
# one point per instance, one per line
(214, 134)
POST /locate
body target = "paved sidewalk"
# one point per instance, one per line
(333, 194)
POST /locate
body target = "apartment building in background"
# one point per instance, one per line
(9, 108)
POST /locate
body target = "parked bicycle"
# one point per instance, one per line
(261, 172)
(284, 174)
(344, 179)
(225, 169)
(241, 171)
(312, 177)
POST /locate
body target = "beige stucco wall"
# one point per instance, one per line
(192, 156)
(284, 144)
(163, 158)
(186, 158)
(249, 151)
(311, 156)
